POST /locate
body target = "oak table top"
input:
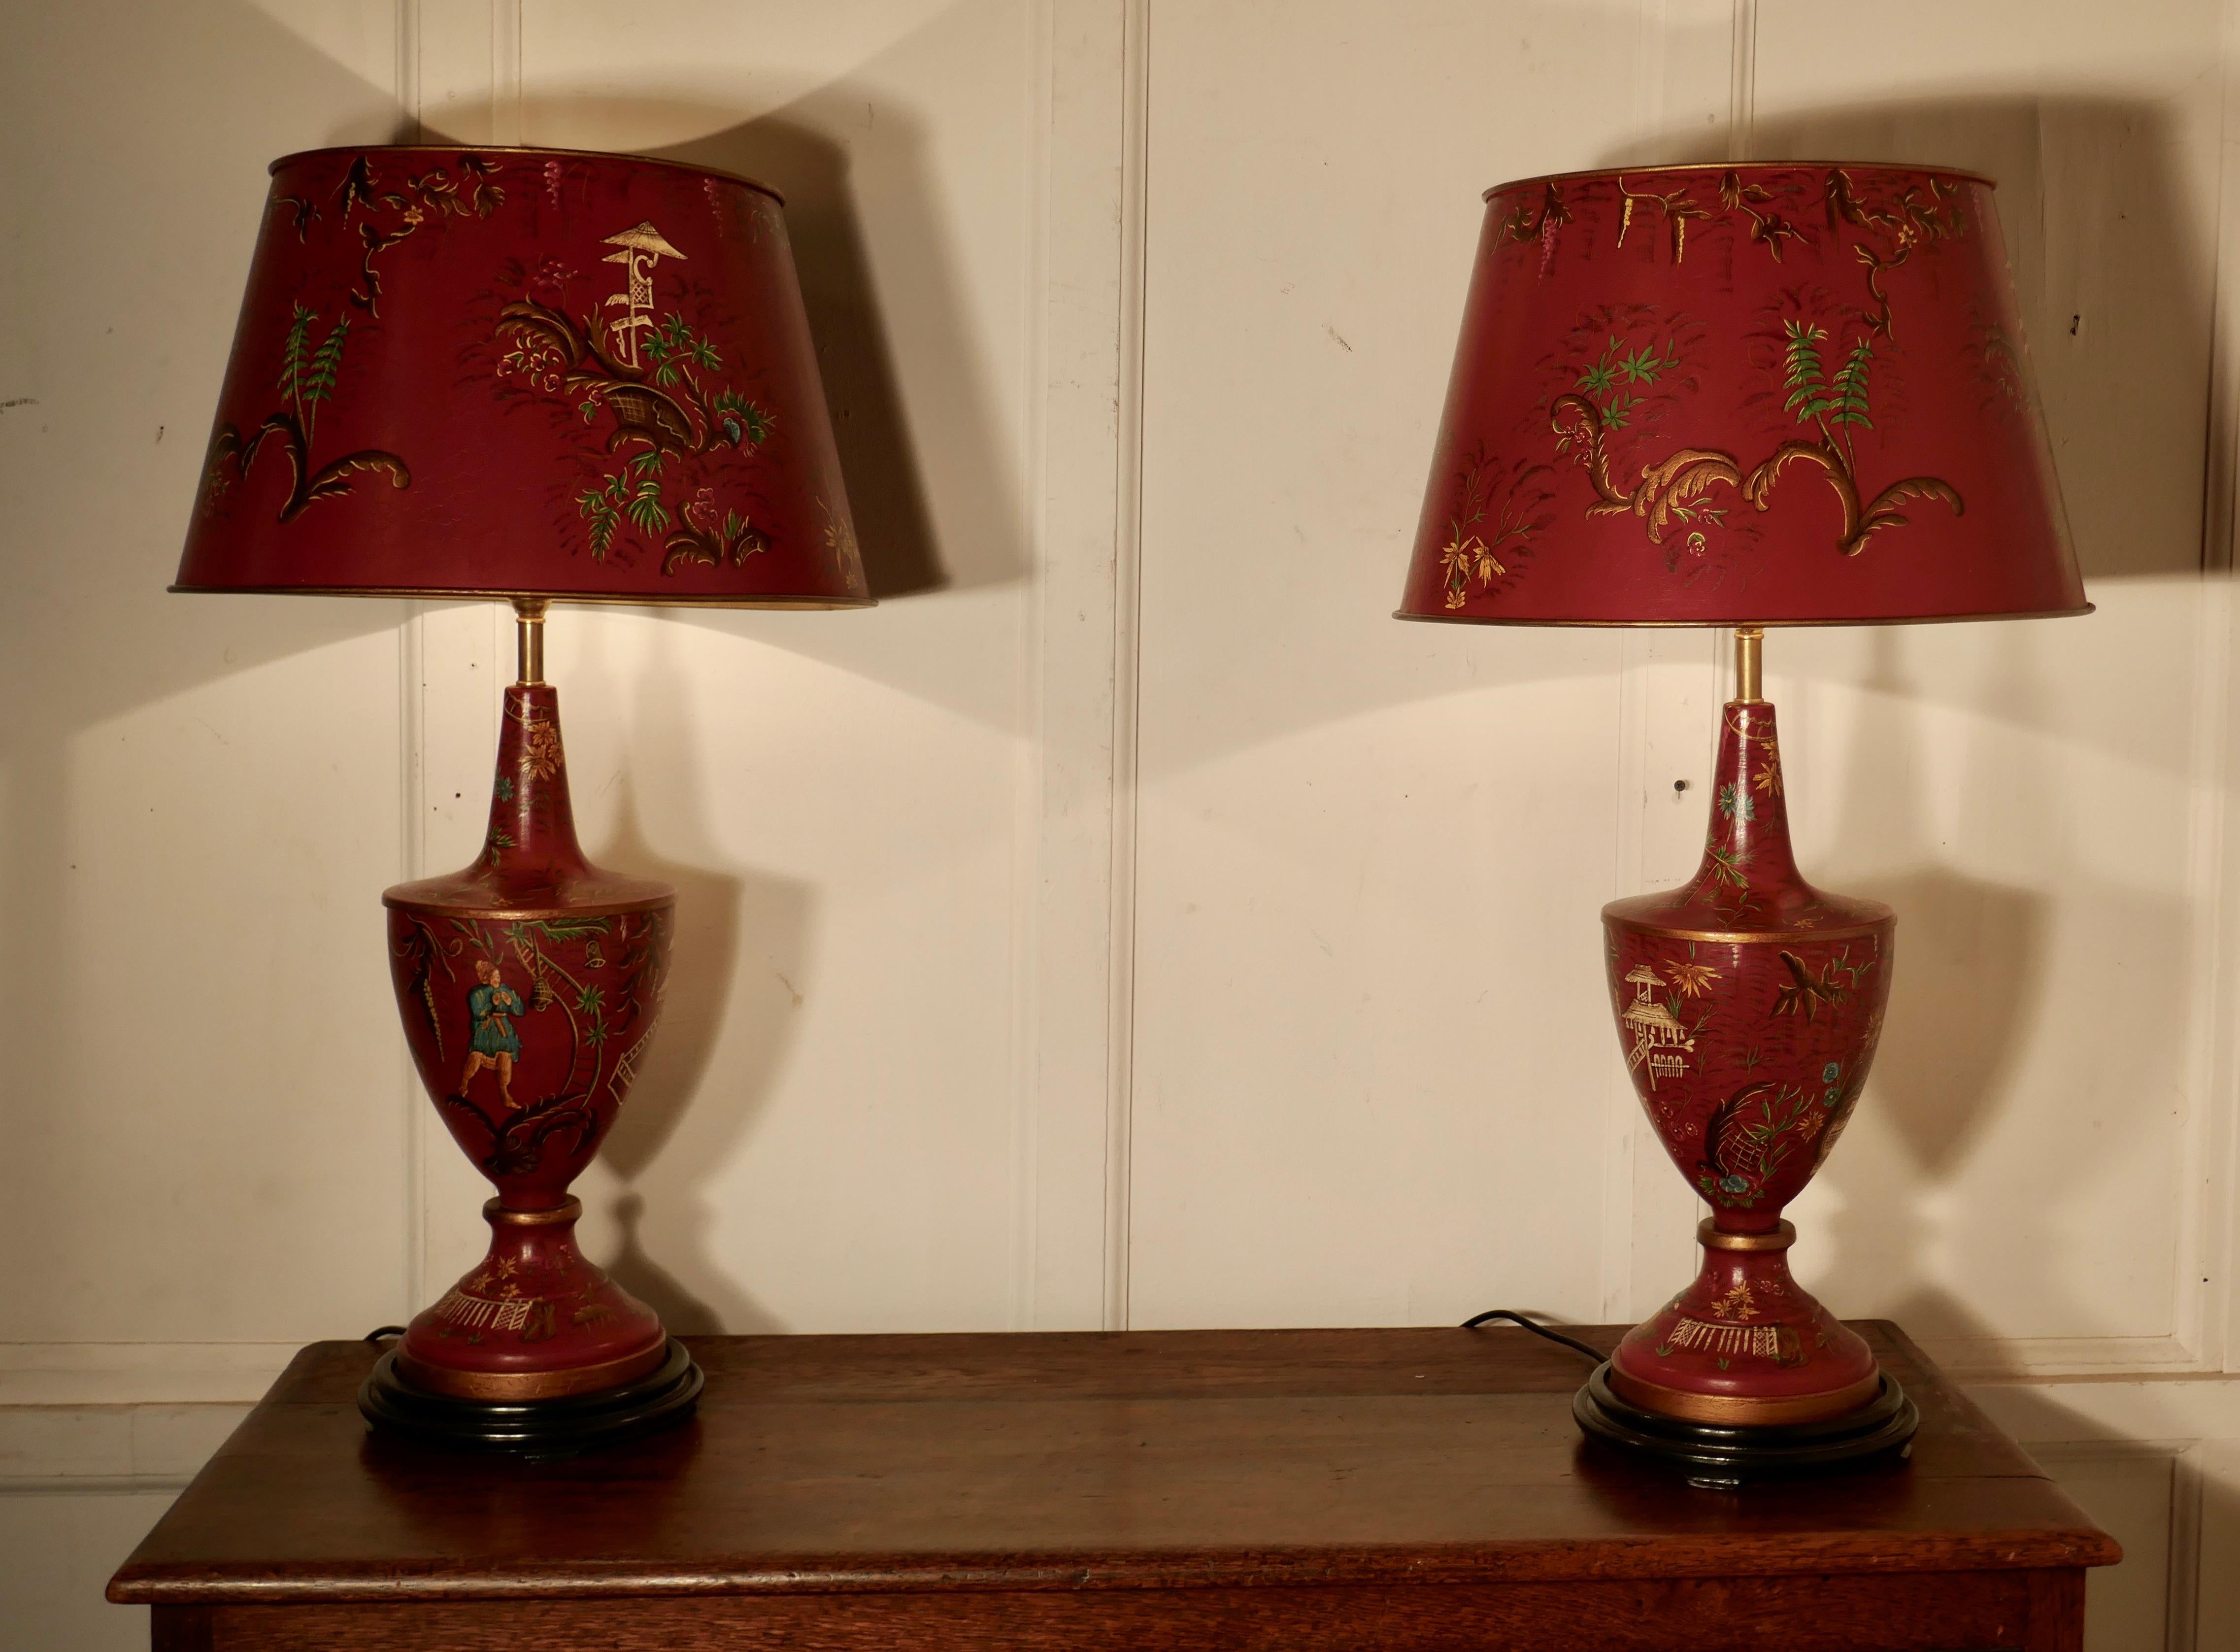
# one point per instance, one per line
(1395, 1488)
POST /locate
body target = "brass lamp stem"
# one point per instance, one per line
(1748, 679)
(529, 637)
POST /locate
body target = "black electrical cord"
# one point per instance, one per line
(1516, 1318)
(382, 1332)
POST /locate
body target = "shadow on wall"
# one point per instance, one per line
(918, 414)
(886, 491)
(1975, 1028)
(2112, 277)
(679, 1131)
(817, 153)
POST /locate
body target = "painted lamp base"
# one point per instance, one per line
(1750, 1004)
(531, 983)
(1744, 1344)
(489, 1337)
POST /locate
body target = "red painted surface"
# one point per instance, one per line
(1748, 1004)
(522, 372)
(1735, 394)
(529, 983)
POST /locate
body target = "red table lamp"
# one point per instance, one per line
(526, 374)
(1743, 396)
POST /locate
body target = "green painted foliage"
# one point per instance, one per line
(291, 353)
(307, 376)
(604, 519)
(1849, 404)
(1804, 379)
(672, 346)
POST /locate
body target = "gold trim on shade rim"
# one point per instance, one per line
(580, 598)
(1732, 1411)
(1711, 1237)
(1732, 166)
(532, 149)
(508, 1386)
(1732, 620)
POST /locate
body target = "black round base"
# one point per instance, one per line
(1722, 1458)
(662, 1398)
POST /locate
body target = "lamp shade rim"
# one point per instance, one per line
(1592, 173)
(452, 593)
(1724, 622)
(525, 149)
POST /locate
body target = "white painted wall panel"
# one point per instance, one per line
(1370, 1043)
(205, 1127)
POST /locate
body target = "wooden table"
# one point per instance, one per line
(1293, 1489)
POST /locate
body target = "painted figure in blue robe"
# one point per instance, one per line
(492, 1042)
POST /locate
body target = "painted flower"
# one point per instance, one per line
(700, 511)
(1772, 228)
(839, 539)
(541, 754)
(1831, 1072)
(1691, 978)
(1462, 558)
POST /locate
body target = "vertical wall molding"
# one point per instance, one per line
(1077, 1000)
(1741, 82)
(412, 799)
(2218, 830)
(1136, 79)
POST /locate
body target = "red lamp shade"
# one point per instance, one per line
(523, 373)
(1792, 393)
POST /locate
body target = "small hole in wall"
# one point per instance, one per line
(1679, 785)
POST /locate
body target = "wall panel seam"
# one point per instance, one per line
(1127, 575)
(412, 751)
(2218, 1072)
(1031, 765)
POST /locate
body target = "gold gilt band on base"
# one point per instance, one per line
(1734, 1410)
(528, 1385)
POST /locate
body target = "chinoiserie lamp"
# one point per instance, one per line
(528, 375)
(1743, 396)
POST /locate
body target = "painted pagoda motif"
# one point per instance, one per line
(640, 249)
(1660, 1042)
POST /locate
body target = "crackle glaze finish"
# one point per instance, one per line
(529, 984)
(1748, 1004)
